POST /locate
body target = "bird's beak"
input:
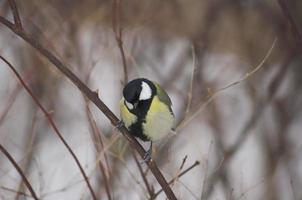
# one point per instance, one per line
(129, 105)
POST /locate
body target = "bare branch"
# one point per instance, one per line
(97, 137)
(212, 95)
(294, 28)
(177, 177)
(10, 102)
(258, 111)
(179, 170)
(12, 160)
(190, 91)
(92, 96)
(116, 24)
(16, 15)
(149, 188)
(15, 191)
(51, 122)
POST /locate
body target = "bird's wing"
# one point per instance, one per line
(162, 95)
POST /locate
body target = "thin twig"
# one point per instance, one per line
(204, 183)
(99, 142)
(16, 15)
(189, 100)
(52, 124)
(92, 96)
(179, 170)
(10, 102)
(252, 187)
(12, 98)
(190, 89)
(293, 189)
(15, 164)
(294, 28)
(212, 95)
(117, 28)
(29, 148)
(258, 111)
(116, 25)
(183, 162)
(16, 191)
(180, 175)
(149, 188)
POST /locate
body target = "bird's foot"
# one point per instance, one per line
(147, 157)
(119, 124)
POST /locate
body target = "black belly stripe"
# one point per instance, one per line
(140, 112)
(137, 131)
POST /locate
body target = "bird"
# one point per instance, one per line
(145, 110)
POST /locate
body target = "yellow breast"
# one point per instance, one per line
(158, 121)
(127, 117)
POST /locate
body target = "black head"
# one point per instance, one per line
(138, 91)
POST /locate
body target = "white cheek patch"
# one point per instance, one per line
(146, 92)
(129, 105)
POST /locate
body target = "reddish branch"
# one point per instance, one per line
(143, 175)
(12, 160)
(99, 146)
(15, 191)
(294, 28)
(116, 23)
(52, 124)
(92, 96)
(243, 135)
(16, 15)
(177, 177)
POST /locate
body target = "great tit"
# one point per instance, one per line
(145, 110)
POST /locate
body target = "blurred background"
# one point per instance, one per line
(246, 135)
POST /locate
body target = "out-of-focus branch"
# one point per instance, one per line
(117, 28)
(258, 111)
(15, 164)
(92, 96)
(15, 191)
(99, 146)
(16, 15)
(190, 91)
(29, 148)
(10, 102)
(52, 124)
(294, 28)
(150, 189)
(215, 121)
(116, 25)
(12, 98)
(212, 95)
(178, 176)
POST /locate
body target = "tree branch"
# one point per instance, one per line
(51, 122)
(149, 188)
(178, 176)
(92, 96)
(16, 15)
(294, 28)
(12, 160)
(96, 136)
(116, 24)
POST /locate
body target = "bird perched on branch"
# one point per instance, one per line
(146, 111)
